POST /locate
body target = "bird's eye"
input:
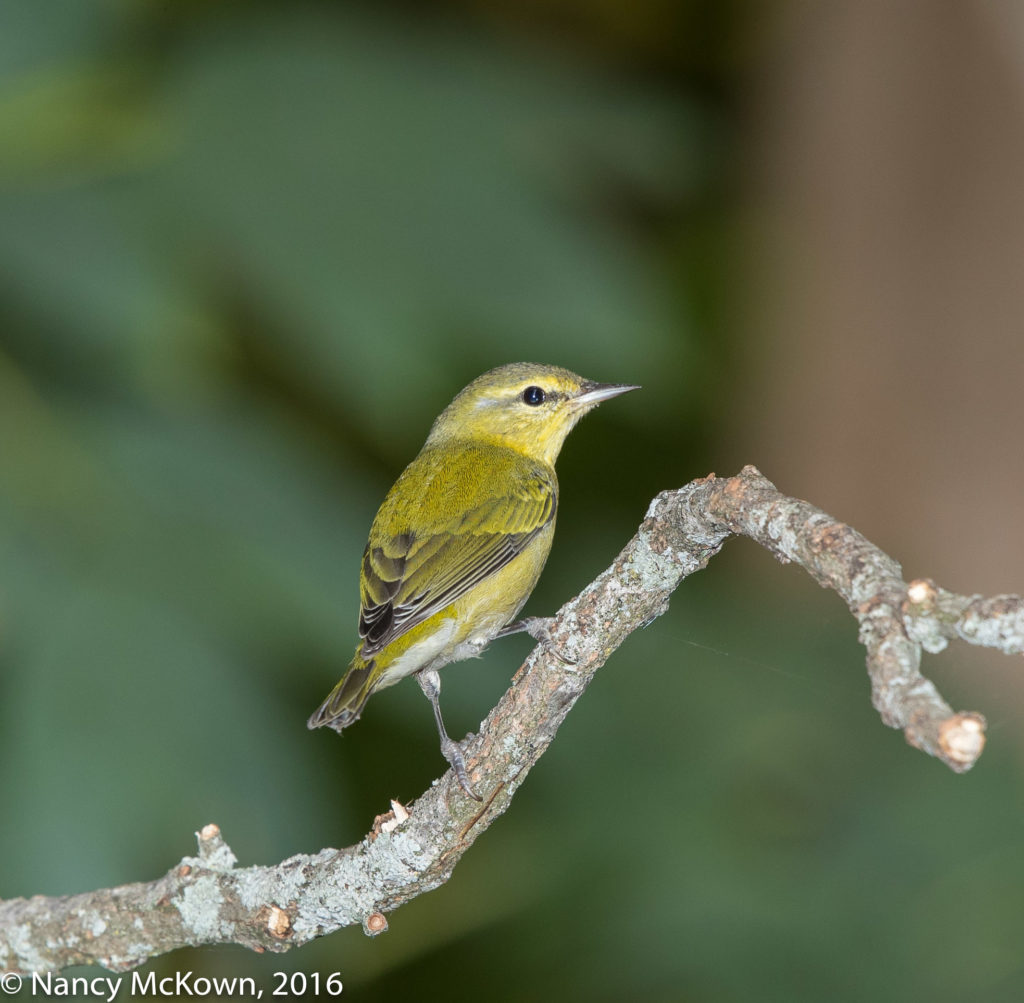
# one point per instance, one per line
(533, 396)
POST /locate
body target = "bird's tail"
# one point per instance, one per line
(348, 698)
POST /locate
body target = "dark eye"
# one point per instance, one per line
(533, 396)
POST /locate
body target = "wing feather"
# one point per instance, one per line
(409, 575)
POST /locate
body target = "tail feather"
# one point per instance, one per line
(348, 698)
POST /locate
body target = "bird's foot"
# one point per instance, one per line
(452, 751)
(430, 683)
(541, 629)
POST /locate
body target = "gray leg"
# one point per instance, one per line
(430, 683)
(539, 628)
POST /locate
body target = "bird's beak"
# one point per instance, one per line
(591, 394)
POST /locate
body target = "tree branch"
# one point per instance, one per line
(208, 900)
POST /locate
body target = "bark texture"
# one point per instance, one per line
(207, 899)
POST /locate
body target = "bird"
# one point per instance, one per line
(460, 540)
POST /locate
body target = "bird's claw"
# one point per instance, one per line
(541, 629)
(452, 751)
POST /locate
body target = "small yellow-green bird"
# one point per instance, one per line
(462, 537)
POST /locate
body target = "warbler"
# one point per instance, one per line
(461, 538)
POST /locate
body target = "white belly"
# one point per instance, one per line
(442, 647)
(423, 653)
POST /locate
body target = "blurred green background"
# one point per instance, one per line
(248, 251)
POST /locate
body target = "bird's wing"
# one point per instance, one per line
(409, 575)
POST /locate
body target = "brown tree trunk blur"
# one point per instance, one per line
(887, 187)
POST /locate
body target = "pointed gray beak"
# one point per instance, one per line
(593, 393)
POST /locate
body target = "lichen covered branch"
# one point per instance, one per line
(897, 620)
(209, 900)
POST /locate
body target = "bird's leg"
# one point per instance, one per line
(430, 683)
(539, 628)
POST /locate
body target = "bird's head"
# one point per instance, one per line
(528, 407)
